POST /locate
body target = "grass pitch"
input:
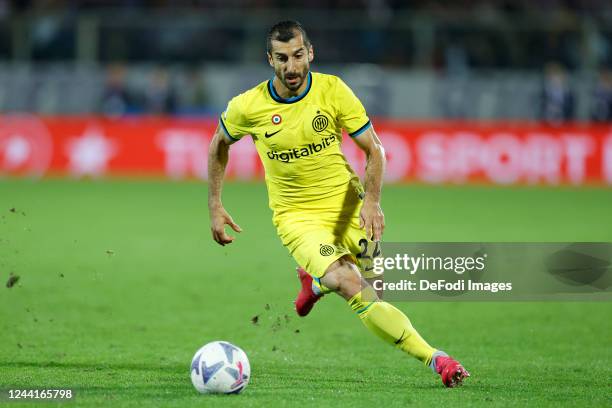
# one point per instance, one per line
(120, 283)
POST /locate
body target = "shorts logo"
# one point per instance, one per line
(320, 122)
(277, 119)
(326, 250)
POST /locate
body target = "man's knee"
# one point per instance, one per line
(343, 277)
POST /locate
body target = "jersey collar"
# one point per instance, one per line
(292, 99)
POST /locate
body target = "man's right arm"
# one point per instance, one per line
(218, 154)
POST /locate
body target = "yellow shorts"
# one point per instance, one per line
(318, 239)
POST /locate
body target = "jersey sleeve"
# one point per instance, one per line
(351, 113)
(234, 120)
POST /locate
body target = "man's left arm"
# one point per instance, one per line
(371, 215)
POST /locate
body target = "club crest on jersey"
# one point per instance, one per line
(320, 122)
(326, 250)
(276, 119)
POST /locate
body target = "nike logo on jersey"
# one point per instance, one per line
(272, 134)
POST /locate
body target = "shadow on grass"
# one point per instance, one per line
(162, 380)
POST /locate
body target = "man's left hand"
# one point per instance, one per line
(373, 219)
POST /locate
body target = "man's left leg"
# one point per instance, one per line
(314, 247)
(388, 322)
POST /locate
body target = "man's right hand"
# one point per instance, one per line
(218, 219)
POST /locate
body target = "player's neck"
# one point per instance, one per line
(284, 92)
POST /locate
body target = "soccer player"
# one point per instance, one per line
(322, 213)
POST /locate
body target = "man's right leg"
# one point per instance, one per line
(309, 294)
(388, 322)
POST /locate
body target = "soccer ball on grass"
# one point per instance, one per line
(219, 367)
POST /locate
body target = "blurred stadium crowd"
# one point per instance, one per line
(539, 59)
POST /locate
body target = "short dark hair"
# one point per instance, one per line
(284, 31)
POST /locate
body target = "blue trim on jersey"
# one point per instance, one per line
(361, 129)
(293, 99)
(232, 138)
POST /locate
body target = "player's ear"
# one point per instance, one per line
(310, 54)
(270, 61)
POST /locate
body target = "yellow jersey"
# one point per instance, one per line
(299, 141)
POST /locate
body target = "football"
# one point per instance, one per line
(220, 367)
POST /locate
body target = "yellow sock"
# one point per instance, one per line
(320, 288)
(391, 325)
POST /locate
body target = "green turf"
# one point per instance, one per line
(121, 284)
